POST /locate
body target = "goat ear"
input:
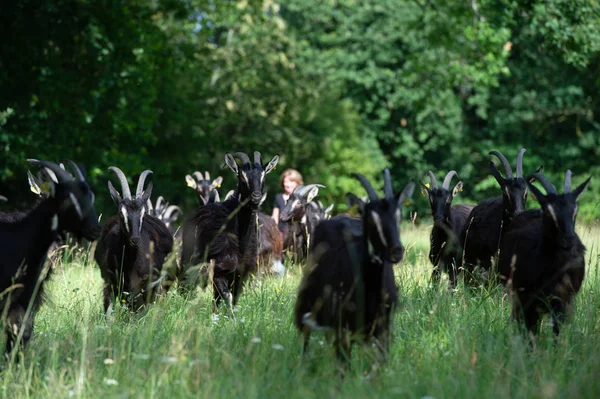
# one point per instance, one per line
(34, 184)
(217, 182)
(230, 161)
(537, 194)
(581, 188)
(114, 194)
(530, 178)
(191, 182)
(352, 201)
(230, 194)
(312, 194)
(457, 189)
(496, 173)
(147, 192)
(406, 193)
(272, 164)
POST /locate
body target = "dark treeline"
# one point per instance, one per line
(332, 86)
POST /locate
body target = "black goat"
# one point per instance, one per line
(486, 223)
(541, 257)
(349, 286)
(205, 189)
(295, 216)
(25, 242)
(133, 246)
(225, 233)
(449, 220)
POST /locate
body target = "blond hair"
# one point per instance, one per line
(291, 174)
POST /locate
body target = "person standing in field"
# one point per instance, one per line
(290, 179)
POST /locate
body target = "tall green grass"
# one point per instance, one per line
(446, 345)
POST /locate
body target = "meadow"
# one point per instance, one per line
(446, 344)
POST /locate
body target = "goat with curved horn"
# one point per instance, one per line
(542, 259)
(225, 234)
(133, 246)
(26, 240)
(350, 289)
(448, 222)
(487, 222)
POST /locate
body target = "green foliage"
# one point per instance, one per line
(333, 87)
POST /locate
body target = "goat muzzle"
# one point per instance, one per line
(256, 198)
(396, 253)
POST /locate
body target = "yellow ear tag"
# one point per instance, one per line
(190, 182)
(34, 189)
(406, 203)
(423, 191)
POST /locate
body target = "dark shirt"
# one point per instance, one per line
(279, 203)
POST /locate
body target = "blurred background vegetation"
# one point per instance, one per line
(332, 86)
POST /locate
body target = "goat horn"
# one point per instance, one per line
(76, 169)
(387, 184)
(544, 182)
(45, 172)
(303, 190)
(502, 158)
(433, 181)
(243, 156)
(368, 187)
(207, 176)
(141, 181)
(198, 176)
(520, 162)
(448, 179)
(61, 173)
(257, 158)
(159, 202)
(123, 180)
(170, 210)
(150, 207)
(568, 181)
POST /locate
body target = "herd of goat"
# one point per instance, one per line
(348, 287)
